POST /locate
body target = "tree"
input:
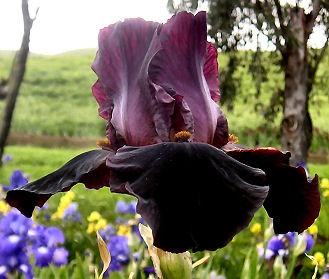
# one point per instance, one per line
(288, 26)
(9, 88)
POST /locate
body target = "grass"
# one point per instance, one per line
(56, 99)
(39, 161)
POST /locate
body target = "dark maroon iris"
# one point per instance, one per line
(169, 146)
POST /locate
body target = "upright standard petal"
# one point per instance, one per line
(210, 71)
(178, 67)
(192, 195)
(293, 200)
(88, 168)
(123, 91)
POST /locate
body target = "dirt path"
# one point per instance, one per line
(76, 142)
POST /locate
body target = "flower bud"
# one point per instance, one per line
(300, 246)
(175, 265)
(167, 265)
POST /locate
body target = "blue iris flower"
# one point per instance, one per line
(60, 256)
(17, 179)
(124, 208)
(120, 252)
(71, 213)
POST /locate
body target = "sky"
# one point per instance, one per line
(64, 25)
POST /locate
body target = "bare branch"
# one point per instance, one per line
(310, 18)
(35, 15)
(267, 10)
(15, 78)
(280, 17)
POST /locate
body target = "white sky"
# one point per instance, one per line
(64, 25)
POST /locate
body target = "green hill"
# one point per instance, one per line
(56, 99)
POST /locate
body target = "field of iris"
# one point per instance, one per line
(60, 241)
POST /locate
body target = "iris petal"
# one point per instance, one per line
(293, 200)
(210, 71)
(192, 195)
(88, 168)
(123, 91)
(178, 68)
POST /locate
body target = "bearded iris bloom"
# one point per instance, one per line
(169, 144)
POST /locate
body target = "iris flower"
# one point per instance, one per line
(169, 146)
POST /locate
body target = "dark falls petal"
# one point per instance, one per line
(88, 168)
(180, 67)
(192, 195)
(123, 91)
(293, 200)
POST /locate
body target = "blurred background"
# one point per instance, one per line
(273, 64)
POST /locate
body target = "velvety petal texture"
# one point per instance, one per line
(156, 80)
(88, 168)
(192, 195)
(293, 200)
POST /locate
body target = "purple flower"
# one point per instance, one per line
(268, 253)
(17, 179)
(120, 252)
(26, 270)
(136, 256)
(302, 164)
(169, 145)
(149, 270)
(13, 260)
(7, 158)
(132, 208)
(124, 208)
(121, 207)
(3, 271)
(54, 236)
(36, 236)
(60, 256)
(11, 244)
(309, 242)
(71, 213)
(15, 223)
(107, 233)
(43, 256)
(275, 244)
(291, 238)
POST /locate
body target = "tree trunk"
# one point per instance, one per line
(15, 79)
(296, 125)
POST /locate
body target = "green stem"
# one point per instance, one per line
(291, 267)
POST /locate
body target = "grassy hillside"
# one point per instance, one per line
(56, 99)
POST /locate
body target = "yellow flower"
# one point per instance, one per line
(326, 193)
(4, 207)
(324, 183)
(94, 216)
(63, 204)
(70, 195)
(313, 230)
(256, 228)
(101, 224)
(319, 258)
(91, 228)
(124, 230)
(328, 256)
